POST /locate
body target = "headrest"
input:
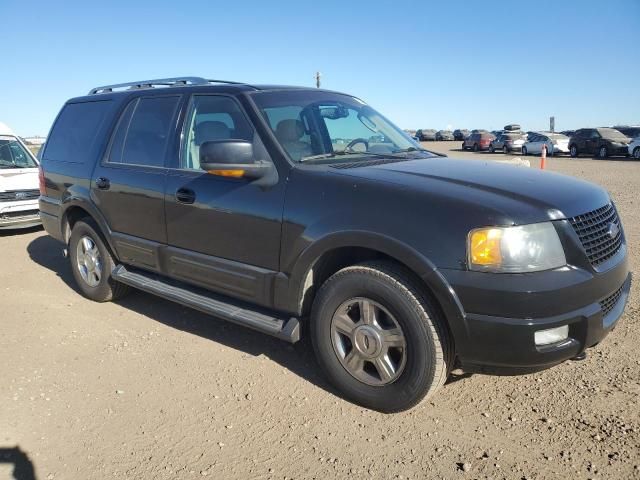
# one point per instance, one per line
(289, 130)
(210, 131)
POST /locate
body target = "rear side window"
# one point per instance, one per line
(143, 131)
(75, 130)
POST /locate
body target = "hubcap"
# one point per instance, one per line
(603, 152)
(368, 341)
(88, 261)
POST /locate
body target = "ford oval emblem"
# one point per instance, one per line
(613, 230)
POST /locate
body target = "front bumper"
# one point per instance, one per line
(19, 215)
(504, 312)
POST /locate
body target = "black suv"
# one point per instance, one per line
(601, 142)
(239, 201)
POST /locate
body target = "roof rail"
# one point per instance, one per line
(163, 82)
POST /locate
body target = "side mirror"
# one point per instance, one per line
(231, 158)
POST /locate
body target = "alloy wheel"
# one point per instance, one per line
(88, 261)
(368, 341)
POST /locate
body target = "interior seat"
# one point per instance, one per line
(206, 132)
(289, 133)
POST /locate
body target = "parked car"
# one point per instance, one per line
(568, 133)
(478, 141)
(461, 134)
(230, 198)
(426, 134)
(634, 148)
(601, 142)
(18, 183)
(508, 142)
(444, 135)
(556, 143)
(630, 132)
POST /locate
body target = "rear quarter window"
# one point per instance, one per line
(75, 131)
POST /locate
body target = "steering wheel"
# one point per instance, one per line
(356, 141)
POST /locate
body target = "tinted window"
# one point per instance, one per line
(143, 132)
(212, 118)
(75, 131)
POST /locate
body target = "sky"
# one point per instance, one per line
(423, 64)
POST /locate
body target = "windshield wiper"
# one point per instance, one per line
(347, 152)
(415, 149)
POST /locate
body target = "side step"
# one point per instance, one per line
(210, 303)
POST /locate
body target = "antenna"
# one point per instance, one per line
(318, 75)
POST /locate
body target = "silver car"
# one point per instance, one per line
(556, 143)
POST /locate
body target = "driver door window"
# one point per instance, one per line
(212, 118)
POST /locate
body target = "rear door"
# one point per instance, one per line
(592, 142)
(128, 185)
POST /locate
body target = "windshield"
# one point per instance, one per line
(314, 126)
(14, 155)
(612, 134)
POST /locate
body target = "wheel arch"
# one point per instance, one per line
(75, 209)
(333, 252)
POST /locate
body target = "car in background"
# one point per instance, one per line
(426, 134)
(478, 141)
(479, 130)
(512, 127)
(601, 142)
(634, 148)
(556, 143)
(568, 133)
(508, 142)
(19, 190)
(461, 134)
(630, 132)
(444, 135)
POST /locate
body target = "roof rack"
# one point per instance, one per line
(161, 82)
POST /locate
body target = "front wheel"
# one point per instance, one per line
(475, 147)
(524, 151)
(378, 339)
(92, 264)
(636, 153)
(602, 152)
(573, 151)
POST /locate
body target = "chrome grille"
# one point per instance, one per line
(600, 232)
(13, 195)
(608, 303)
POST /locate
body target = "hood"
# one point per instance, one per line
(18, 179)
(506, 194)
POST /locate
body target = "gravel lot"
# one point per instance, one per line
(144, 388)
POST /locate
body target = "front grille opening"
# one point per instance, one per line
(13, 195)
(608, 303)
(595, 232)
(18, 214)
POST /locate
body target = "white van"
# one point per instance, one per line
(19, 191)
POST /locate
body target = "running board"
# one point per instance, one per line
(210, 303)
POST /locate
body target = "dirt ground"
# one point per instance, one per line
(146, 389)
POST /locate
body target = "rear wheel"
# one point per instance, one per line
(602, 152)
(524, 151)
(573, 151)
(92, 264)
(475, 147)
(378, 339)
(492, 148)
(636, 153)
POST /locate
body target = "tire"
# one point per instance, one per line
(475, 147)
(524, 151)
(492, 149)
(423, 362)
(102, 287)
(506, 150)
(463, 147)
(573, 151)
(549, 152)
(602, 152)
(636, 153)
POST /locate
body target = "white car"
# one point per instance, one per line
(556, 143)
(19, 188)
(634, 148)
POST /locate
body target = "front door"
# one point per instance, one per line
(223, 233)
(128, 185)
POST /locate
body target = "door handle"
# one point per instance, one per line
(185, 195)
(103, 183)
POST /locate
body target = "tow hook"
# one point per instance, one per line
(580, 357)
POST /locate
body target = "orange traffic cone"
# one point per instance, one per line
(543, 159)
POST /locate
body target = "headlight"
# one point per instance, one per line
(526, 248)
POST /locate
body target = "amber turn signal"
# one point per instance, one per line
(227, 173)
